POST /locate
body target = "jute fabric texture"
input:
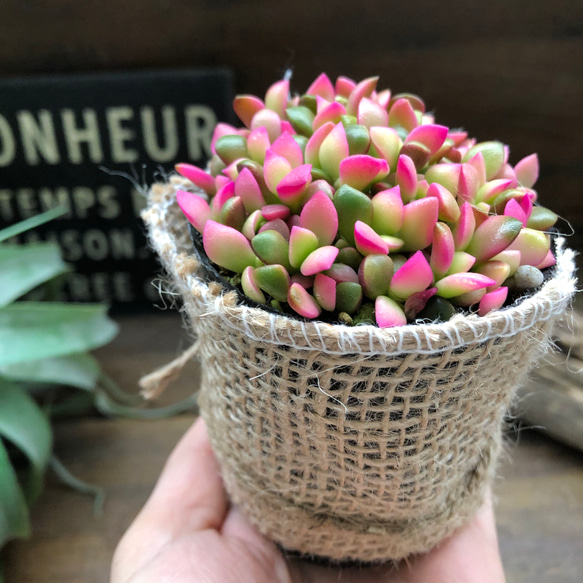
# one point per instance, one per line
(353, 442)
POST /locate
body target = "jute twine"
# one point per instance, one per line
(354, 442)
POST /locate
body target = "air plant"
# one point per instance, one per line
(348, 197)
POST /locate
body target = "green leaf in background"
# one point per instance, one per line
(76, 370)
(31, 223)
(22, 268)
(38, 330)
(24, 425)
(14, 522)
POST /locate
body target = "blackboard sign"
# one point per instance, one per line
(77, 140)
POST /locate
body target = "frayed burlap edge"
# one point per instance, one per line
(443, 388)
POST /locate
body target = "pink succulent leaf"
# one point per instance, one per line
(331, 113)
(246, 106)
(442, 250)
(394, 243)
(416, 302)
(374, 275)
(493, 236)
(507, 172)
(257, 144)
(461, 262)
(527, 171)
(407, 177)
(302, 242)
(344, 86)
(195, 209)
(341, 273)
(319, 215)
(232, 171)
(275, 168)
(515, 210)
(419, 220)
(449, 210)
(367, 241)
(277, 96)
(387, 211)
(227, 247)
(402, 114)
(464, 229)
(333, 150)
(468, 183)
(270, 121)
(492, 189)
(293, 221)
(248, 189)
(286, 126)
(388, 313)
(511, 258)
(430, 135)
(291, 188)
(301, 302)
(548, 261)
(225, 193)
(360, 170)
(197, 176)
(233, 213)
(287, 147)
(319, 260)
(276, 225)
(312, 152)
(493, 300)
(493, 153)
(414, 276)
(304, 280)
(323, 87)
(319, 186)
(445, 174)
(325, 292)
(220, 181)
(250, 287)
(457, 136)
(387, 143)
(384, 98)
(271, 212)
(479, 164)
(422, 188)
(252, 224)
(363, 89)
(372, 114)
(533, 246)
(499, 271)
(460, 283)
(526, 204)
(222, 129)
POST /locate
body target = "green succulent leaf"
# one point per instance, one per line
(22, 268)
(31, 223)
(75, 370)
(37, 330)
(24, 425)
(14, 521)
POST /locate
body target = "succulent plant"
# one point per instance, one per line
(346, 197)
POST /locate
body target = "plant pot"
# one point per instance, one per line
(355, 443)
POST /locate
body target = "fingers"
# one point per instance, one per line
(189, 494)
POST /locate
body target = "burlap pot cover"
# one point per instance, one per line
(354, 442)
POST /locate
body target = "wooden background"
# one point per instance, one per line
(511, 70)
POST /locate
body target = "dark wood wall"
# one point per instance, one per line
(506, 69)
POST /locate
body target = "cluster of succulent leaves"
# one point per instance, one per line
(43, 344)
(354, 201)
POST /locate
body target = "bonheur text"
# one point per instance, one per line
(115, 134)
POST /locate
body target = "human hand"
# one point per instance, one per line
(188, 533)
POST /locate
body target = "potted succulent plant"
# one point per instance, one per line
(368, 288)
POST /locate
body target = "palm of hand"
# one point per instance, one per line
(187, 533)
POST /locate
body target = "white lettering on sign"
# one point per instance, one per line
(120, 134)
(169, 150)
(99, 286)
(7, 143)
(75, 136)
(38, 137)
(200, 123)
